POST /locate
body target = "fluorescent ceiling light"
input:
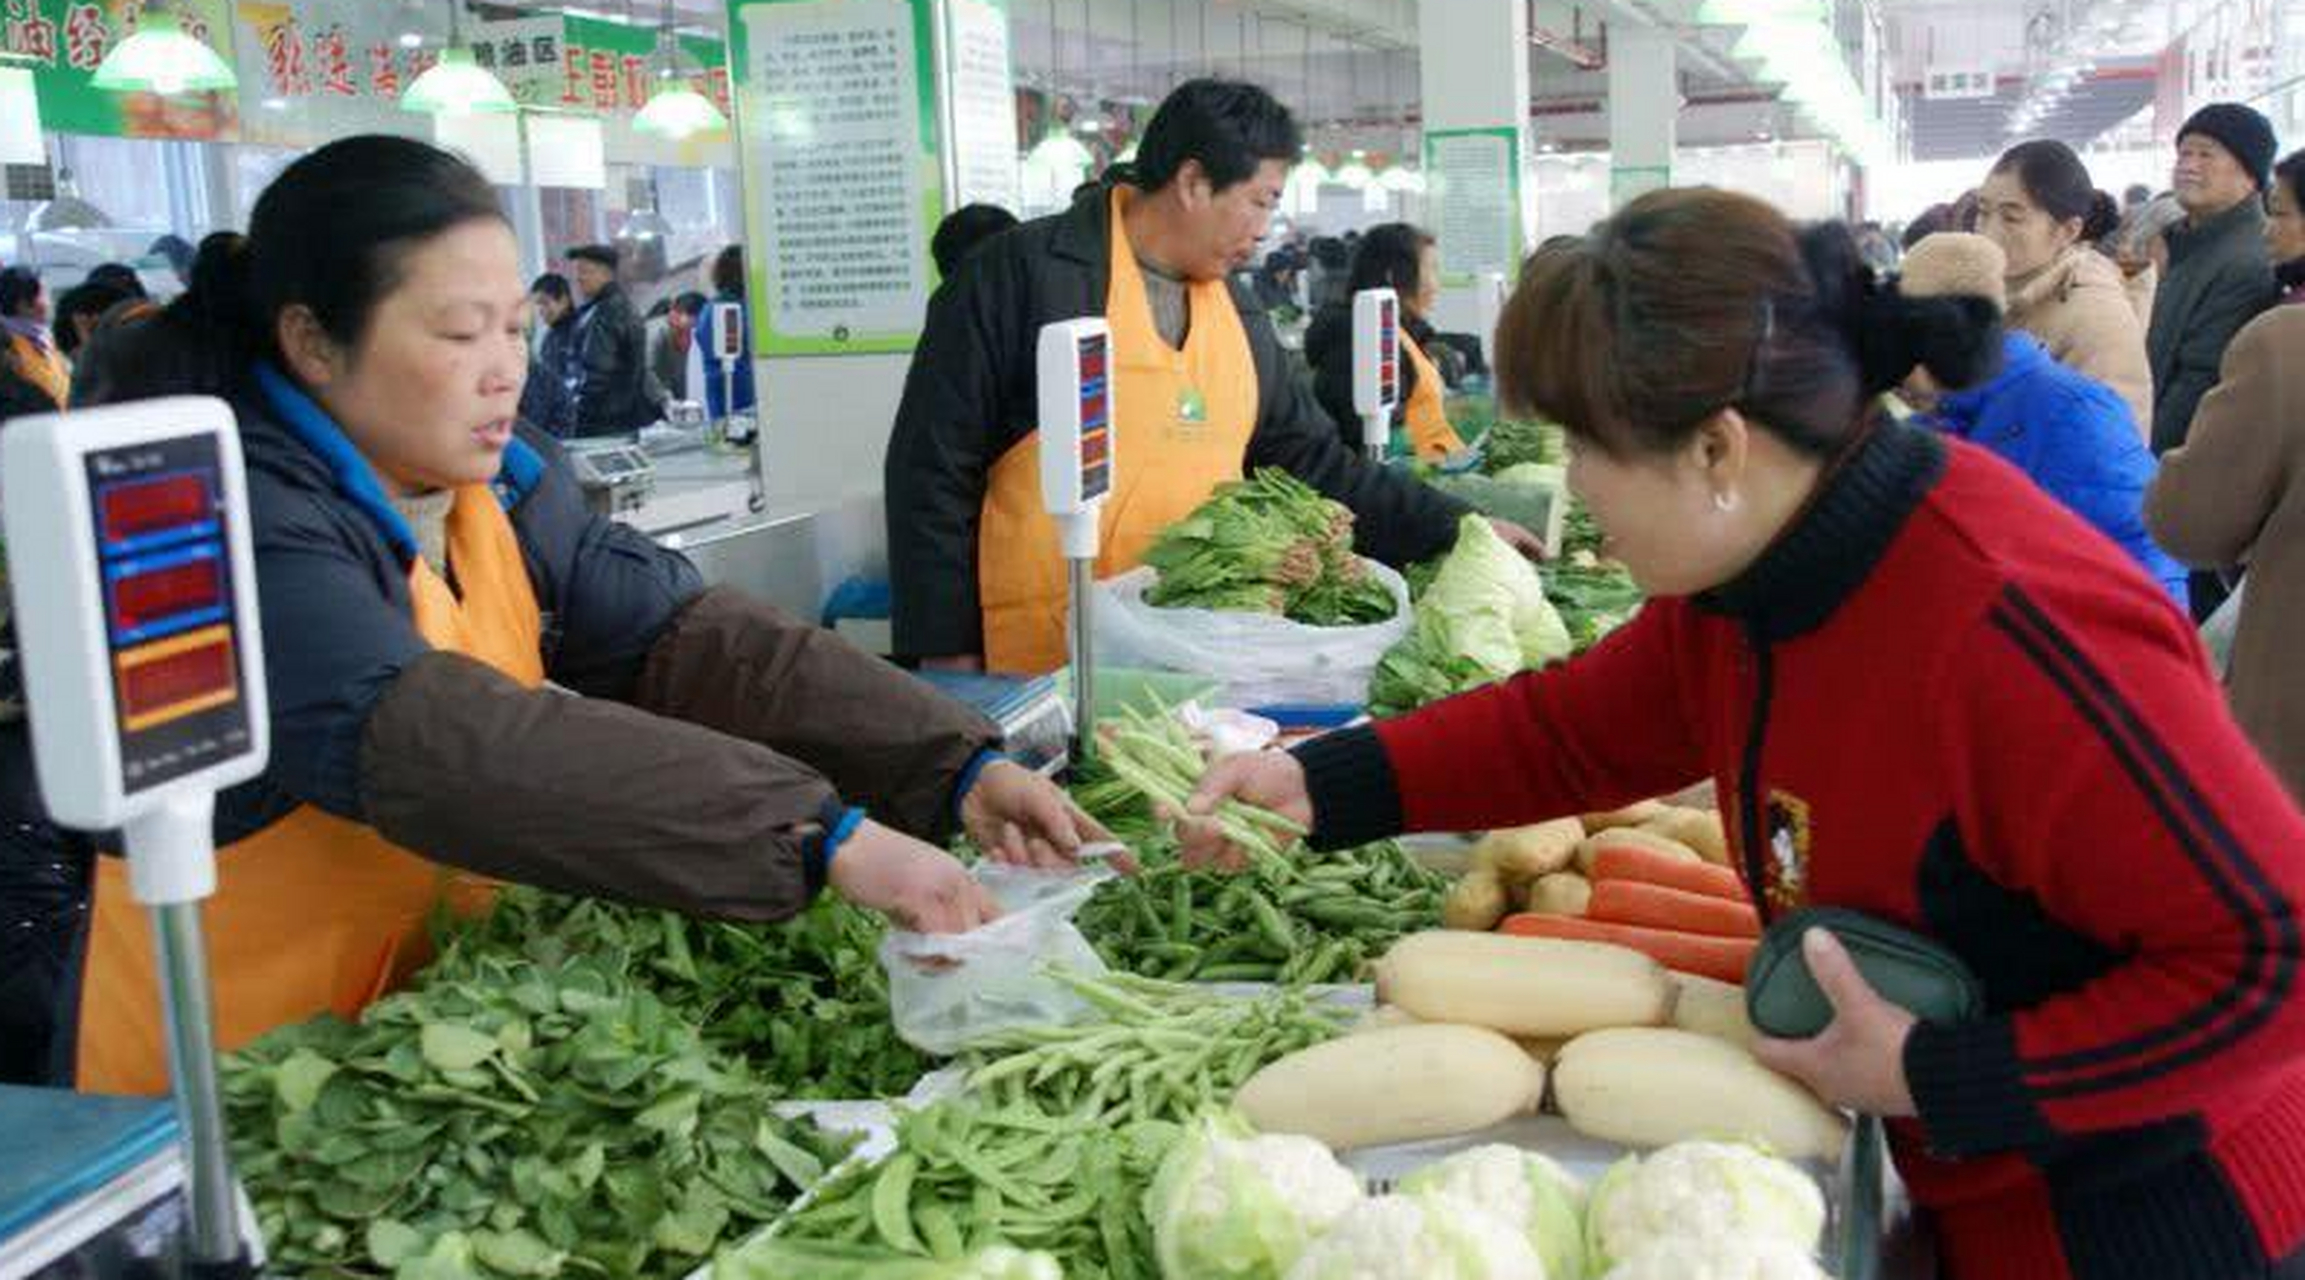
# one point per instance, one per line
(456, 85)
(676, 111)
(160, 58)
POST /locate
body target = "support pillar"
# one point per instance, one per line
(1474, 67)
(1644, 100)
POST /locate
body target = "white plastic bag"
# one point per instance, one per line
(2217, 632)
(947, 990)
(1258, 659)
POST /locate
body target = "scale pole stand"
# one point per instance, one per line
(1083, 575)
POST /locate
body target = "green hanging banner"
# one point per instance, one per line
(65, 40)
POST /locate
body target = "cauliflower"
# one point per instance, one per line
(1435, 1236)
(1524, 1188)
(1702, 1190)
(1228, 1204)
(1719, 1258)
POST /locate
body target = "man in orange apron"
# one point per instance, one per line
(1405, 259)
(1203, 391)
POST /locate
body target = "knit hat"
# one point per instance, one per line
(1954, 263)
(2240, 130)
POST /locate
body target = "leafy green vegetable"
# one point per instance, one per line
(804, 1000)
(1267, 544)
(1594, 596)
(778, 1258)
(1484, 617)
(508, 1118)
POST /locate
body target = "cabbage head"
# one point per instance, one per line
(1524, 1188)
(1229, 1204)
(1718, 1258)
(1483, 618)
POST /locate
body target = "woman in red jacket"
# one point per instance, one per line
(1926, 692)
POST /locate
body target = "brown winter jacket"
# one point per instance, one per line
(2078, 306)
(2235, 493)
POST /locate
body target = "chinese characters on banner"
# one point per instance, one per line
(63, 41)
(1474, 202)
(840, 166)
(583, 64)
(983, 142)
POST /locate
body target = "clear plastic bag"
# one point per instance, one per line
(947, 990)
(1258, 659)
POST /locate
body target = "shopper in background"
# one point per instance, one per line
(2220, 274)
(2068, 433)
(2141, 252)
(177, 252)
(1406, 260)
(608, 362)
(545, 400)
(1926, 692)
(1206, 394)
(962, 231)
(2285, 227)
(118, 276)
(670, 336)
(31, 345)
(2040, 207)
(2234, 494)
(727, 286)
(77, 314)
(723, 760)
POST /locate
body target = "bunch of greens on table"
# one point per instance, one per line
(1513, 442)
(1059, 1135)
(804, 1001)
(509, 1118)
(1267, 544)
(1594, 596)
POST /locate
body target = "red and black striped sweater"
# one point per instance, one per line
(1942, 699)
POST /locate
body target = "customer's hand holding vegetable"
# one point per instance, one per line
(1019, 817)
(1858, 1061)
(1271, 780)
(916, 885)
(1521, 540)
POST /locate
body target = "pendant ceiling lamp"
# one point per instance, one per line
(162, 58)
(457, 85)
(675, 110)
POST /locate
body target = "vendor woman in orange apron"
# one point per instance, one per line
(474, 679)
(1202, 390)
(1404, 259)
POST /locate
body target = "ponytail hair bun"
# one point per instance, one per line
(2104, 218)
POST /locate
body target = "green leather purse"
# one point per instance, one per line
(1782, 997)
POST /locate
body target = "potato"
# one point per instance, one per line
(1631, 815)
(1477, 902)
(1399, 1084)
(1521, 854)
(1564, 893)
(1700, 829)
(1713, 1008)
(1634, 837)
(1655, 1086)
(1523, 986)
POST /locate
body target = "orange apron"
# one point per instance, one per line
(1181, 427)
(314, 914)
(1430, 434)
(43, 368)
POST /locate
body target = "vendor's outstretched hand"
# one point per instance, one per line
(1858, 1061)
(916, 885)
(1019, 817)
(1267, 779)
(1520, 539)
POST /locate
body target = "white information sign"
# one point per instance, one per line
(983, 141)
(1472, 179)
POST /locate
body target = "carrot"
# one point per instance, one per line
(1658, 907)
(1625, 862)
(1698, 953)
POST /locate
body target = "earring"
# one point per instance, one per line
(1724, 501)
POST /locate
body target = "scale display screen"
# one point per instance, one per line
(174, 646)
(1095, 418)
(1388, 352)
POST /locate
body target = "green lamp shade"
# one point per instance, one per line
(676, 111)
(455, 86)
(161, 59)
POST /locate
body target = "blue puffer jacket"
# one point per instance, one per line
(2075, 437)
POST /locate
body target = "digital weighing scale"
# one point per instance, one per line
(1376, 367)
(134, 594)
(1073, 365)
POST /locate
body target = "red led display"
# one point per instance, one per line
(143, 598)
(1092, 409)
(197, 675)
(1093, 448)
(1091, 358)
(154, 506)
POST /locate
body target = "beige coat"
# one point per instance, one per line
(2079, 307)
(2235, 493)
(2142, 287)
